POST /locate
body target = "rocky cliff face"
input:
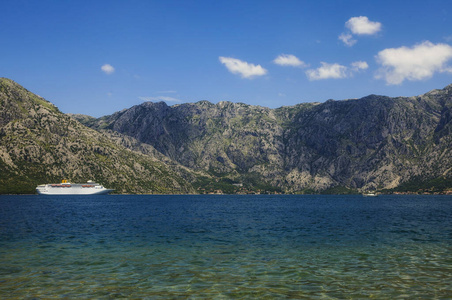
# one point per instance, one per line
(39, 144)
(371, 143)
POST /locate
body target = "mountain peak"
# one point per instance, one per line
(363, 144)
(40, 144)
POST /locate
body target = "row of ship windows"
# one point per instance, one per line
(68, 185)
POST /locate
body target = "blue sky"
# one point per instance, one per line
(98, 57)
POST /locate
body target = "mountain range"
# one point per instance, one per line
(368, 144)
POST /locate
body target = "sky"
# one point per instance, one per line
(98, 57)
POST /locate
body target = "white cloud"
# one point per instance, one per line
(347, 39)
(289, 60)
(160, 98)
(246, 70)
(362, 25)
(336, 71)
(359, 26)
(416, 63)
(107, 69)
(327, 71)
(359, 65)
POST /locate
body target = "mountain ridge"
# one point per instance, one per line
(371, 143)
(39, 144)
(375, 142)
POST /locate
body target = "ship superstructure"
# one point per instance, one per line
(67, 188)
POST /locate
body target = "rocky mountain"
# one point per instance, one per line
(371, 143)
(39, 144)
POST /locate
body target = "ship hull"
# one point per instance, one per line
(74, 192)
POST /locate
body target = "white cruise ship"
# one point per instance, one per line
(67, 188)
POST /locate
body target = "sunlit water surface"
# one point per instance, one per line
(225, 247)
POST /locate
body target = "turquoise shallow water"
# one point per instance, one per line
(225, 247)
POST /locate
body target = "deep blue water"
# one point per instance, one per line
(225, 247)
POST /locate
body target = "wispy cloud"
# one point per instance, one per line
(416, 63)
(359, 65)
(107, 69)
(160, 98)
(289, 60)
(167, 92)
(244, 69)
(336, 71)
(327, 71)
(359, 26)
(347, 39)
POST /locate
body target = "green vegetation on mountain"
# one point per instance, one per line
(374, 143)
(420, 185)
(39, 144)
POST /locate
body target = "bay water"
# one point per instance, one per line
(225, 247)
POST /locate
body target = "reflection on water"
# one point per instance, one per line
(266, 247)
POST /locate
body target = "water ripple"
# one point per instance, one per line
(228, 247)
